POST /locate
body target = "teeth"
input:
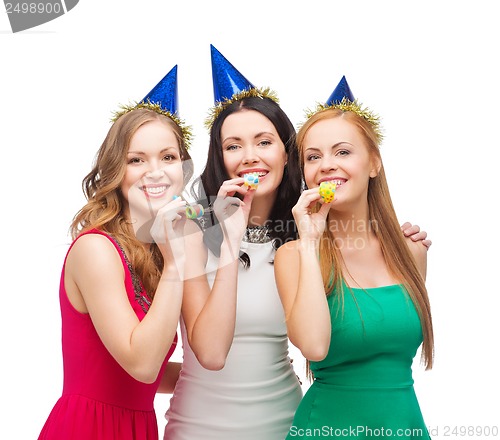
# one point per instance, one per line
(337, 182)
(260, 173)
(156, 189)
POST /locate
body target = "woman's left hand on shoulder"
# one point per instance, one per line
(414, 233)
(418, 245)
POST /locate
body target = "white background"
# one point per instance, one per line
(429, 68)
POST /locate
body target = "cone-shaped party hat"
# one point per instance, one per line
(162, 99)
(230, 86)
(227, 80)
(342, 91)
(343, 99)
(165, 93)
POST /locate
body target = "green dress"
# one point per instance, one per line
(363, 389)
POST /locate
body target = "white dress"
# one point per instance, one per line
(256, 394)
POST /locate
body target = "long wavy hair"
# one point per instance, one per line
(206, 186)
(105, 207)
(396, 253)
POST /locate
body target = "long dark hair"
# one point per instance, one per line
(206, 186)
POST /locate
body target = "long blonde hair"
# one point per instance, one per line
(397, 255)
(105, 207)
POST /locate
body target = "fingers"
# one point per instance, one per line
(163, 222)
(407, 225)
(308, 198)
(306, 201)
(325, 208)
(231, 187)
(310, 224)
(247, 199)
(427, 243)
(224, 207)
(415, 234)
(227, 204)
(413, 231)
(222, 203)
(422, 235)
(172, 210)
(180, 221)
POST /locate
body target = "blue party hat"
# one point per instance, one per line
(162, 99)
(341, 92)
(230, 86)
(227, 80)
(165, 92)
(343, 99)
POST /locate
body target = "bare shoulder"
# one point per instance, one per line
(93, 251)
(92, 267)
(94, 245)
(287, 253)
(288, 248)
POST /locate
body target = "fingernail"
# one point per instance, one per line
(175, 197)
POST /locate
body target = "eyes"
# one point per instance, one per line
(136, 160)
(311, 157)
(261, 144)
(316, 156)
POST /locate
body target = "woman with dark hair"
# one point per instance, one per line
(280, 223)
(237, 381)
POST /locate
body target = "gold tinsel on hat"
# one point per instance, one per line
(187, 133)
(216, 110)
(349, 106)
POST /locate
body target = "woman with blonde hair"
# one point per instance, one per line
(353, 289)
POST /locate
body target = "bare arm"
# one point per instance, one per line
(169, 378)
(210, 313)
(300, 283)
(94, 273)
(94, 280)
(300, 286)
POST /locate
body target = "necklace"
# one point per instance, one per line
(257, 234)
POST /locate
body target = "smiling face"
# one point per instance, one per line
(154, 171)
(250, 143)
(334, 150)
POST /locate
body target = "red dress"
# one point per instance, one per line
(100, 400)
